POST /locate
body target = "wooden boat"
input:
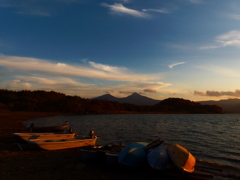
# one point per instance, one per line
(32, 128)
(64, 143)
(181, 157)
(135, 154)
(159, 159)
(44, 136)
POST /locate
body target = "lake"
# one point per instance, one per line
(214, 137)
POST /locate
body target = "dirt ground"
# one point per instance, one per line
(33, 164)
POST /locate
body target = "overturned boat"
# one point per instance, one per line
(181, 157)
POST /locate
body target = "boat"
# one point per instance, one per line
(159, 159)
(32, 128)
(64, 143)
(108, 153)
(44, 136)
(135, 154)
(181, 157)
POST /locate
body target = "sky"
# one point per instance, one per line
(186, 49)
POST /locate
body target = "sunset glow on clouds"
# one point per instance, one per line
(159, 49)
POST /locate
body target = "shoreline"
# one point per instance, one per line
(35, 164)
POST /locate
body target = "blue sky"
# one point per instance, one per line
(159, 48)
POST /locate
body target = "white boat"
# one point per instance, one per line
(64, 143)
(44, 136)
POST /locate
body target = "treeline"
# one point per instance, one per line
(58, 102)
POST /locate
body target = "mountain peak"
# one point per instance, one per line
(134, 98)
(135, 94)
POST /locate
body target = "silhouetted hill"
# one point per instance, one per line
(135, 98)
(228, 105)
(178, 105)
(57, 102)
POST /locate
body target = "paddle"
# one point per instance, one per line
(153, 144)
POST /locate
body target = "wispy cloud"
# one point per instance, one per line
(119, 9)
(107, 68)
(196, 1)
(141, 87)
(224, 71)
(52, 81)
(37, 74)
(60, 84)
(27, 7)
(235, 93)
(34, 12)
(95, 71)
(175, 64)
(125, 1)
(150, 90)
(33, 7)
(234, 16)
(164, 11)
(231, 38)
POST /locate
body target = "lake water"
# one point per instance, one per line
(214, 138)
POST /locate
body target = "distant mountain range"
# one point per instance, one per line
(135, 98)
(228, 105)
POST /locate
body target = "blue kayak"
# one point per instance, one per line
(158, 158)
(134, 155)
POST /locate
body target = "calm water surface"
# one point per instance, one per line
(208, 137)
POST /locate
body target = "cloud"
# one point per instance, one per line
(34, 7)
(125, 1)
(232, 38)
(234, 16)
(34, 12)
(119, 9)
(27, 7)
(150, 90)
(196, 1)
(199, 93)
(107, 68)
(97, 71)
(52, 81)
(126, 92)
(145, 84)
(175, 64)
(144, 91)
(164, 11)
(220, 70)
(43, 83)
(142, 87)
(235, 93)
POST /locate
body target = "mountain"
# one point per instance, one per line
(107, 97)
(228, 105)
(135, 98)
(178, 105)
